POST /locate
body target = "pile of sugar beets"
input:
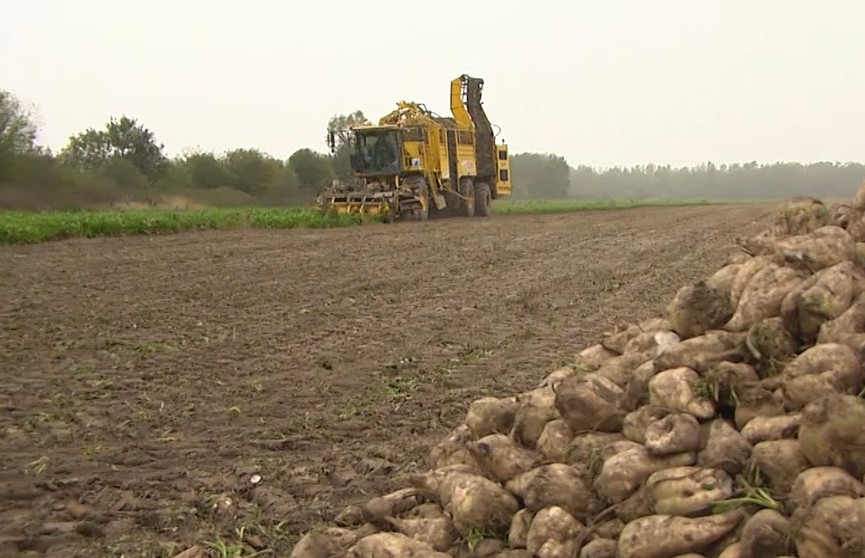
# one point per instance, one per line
(732, 427)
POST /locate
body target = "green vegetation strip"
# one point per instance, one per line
(29, 227)
(18, 227)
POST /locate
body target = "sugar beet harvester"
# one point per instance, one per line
(414, 157)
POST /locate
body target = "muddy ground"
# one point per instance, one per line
(146, 381)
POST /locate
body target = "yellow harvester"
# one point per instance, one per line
(414, 158)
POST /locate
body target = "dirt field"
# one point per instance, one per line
(146, 381)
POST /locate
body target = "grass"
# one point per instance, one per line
(524, 207)
(19, 227)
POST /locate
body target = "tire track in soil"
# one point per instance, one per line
(146, 377)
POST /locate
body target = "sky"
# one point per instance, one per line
(614, 83)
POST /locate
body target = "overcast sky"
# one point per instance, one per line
(602, 83)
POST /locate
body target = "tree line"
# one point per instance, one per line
(124, 159)
(720, 182)
(549, 176)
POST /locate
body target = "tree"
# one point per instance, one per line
(177, 177)
(313, 170)
(124, 138)
(340, 125)
(207, 171)
(120, 173)
(540, 176)
(252, 171)
(17, 132)
(17, 128)
(284, 189)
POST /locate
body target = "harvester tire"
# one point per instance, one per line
(483, 199)
(467, 204)
(420, 183)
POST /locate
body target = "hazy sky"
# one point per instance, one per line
(602, 83)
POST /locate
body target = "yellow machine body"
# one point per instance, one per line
(414, 159)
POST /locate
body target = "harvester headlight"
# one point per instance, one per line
(415, 161)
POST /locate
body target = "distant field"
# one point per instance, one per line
(29, 227)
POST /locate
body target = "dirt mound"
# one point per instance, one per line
(740, 435)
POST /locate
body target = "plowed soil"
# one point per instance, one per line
(225, 387)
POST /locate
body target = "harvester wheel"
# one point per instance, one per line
(467, 204)
(483, 199)
(420, 183)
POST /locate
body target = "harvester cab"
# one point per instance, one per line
(414, 159)
(378, 152)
